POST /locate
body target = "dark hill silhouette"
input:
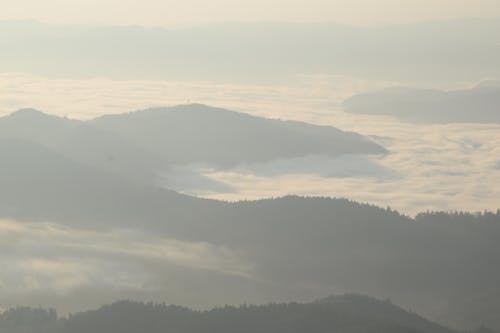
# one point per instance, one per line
(376, 309)
(349, 313)
(480, 104)
(199, 133)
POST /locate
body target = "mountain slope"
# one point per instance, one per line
(38, 184)
(201, 134)
(81, 143)
(349, 314)
(140, 144)
(294, 245)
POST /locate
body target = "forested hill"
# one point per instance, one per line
(50, 172)
(348, 313)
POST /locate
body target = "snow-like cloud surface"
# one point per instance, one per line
(443, 167)
(438, 167)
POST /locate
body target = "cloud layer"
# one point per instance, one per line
(436, 167)
(50, 262)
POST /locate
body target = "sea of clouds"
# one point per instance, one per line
(429, 167)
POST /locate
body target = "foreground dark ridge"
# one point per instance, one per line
(348, 313)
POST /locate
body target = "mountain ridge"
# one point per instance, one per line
(350, 314)
(479, 104)
(242, 138)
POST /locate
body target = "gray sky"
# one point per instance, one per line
(174, 12)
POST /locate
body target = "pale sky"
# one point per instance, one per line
(181, 12)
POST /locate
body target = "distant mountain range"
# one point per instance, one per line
(480, 104)
(460, 50)
(348, 313)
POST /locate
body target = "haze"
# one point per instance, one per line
(194, 12)
(250, 166)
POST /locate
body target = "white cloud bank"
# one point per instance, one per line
(439, 167)
(442, 167)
